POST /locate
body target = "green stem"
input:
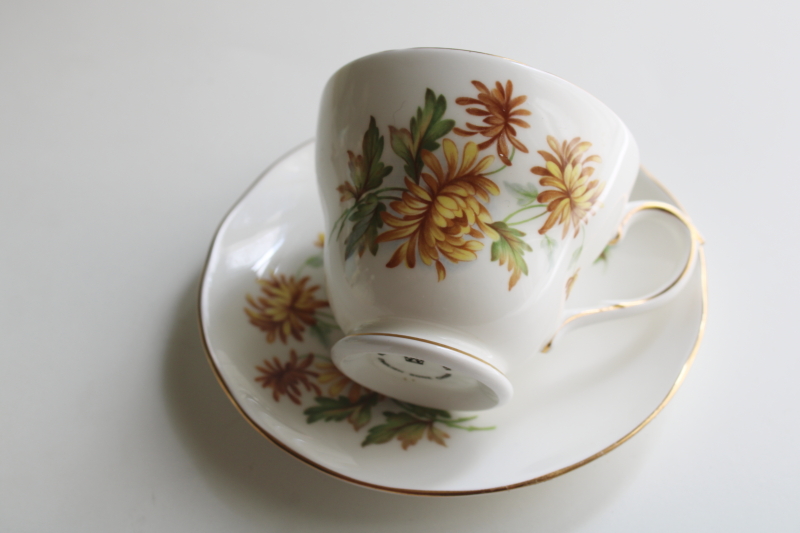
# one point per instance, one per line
(333, 229)
(466, 428)
(401, 189)
(305, 264)
(527, 220)
(495, 171)
(333, 325)
(510, 158)
(342, 219)
(347, 212)
(458, 421)
(523, 209)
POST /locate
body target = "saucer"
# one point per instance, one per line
(267, 330)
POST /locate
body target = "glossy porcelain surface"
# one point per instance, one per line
(463, 194)
(268, 328)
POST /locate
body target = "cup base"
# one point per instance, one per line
(422, 372)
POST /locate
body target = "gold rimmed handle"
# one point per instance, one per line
(653, 299)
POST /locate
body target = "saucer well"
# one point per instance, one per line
(267, 330)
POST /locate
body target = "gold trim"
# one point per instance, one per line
(663, 188)
(697, 241)
(681, 376)
(425, 341)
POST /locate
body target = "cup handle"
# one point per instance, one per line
(580, 317)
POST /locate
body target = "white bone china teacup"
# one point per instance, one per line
(463, 193)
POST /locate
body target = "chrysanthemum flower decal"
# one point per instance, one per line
(288, 378)
(440, 213)
(285, 307)
(337, 382)
(572, 196)
(367, 172)
(499, 109)
(346, 399)
(437, 216)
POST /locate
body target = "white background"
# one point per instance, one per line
(127, 129)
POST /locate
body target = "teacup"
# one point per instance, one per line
(463, 193)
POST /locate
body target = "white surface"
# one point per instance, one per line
(128, 129)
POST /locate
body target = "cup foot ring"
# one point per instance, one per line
(421, 372)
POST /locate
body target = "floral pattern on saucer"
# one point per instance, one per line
(289, 306)
(440, 212)
(560, 419)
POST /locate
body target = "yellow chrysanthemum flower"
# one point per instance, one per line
(339, 383)
(442, 210)
(285, 307)
(573, 196)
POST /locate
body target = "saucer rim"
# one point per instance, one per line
(418, 492)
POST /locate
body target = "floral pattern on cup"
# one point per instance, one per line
(500, 117)
(285, 307)
(438, 214)
(572, 196)
(441, 213)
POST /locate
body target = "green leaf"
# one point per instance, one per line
(403, 146)
(414, 422)
(437, 128)
(346, 191)
(603, 257)
(358, 413)
(367, 222)
(436, 435)
(366, 170)
(315, 261)
(363, 414)
(549, 244)
(322, 332)
(425, 129)
(524, 193)
(436, 131)
(423, 412)
(403, 426)
(509, 249)
(575, 256)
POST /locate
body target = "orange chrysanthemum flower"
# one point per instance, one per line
(286, 307)
(573, 196)
(289, 377)
(339, 383)
(439, 214)
(500, 117)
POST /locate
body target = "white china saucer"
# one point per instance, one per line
(588, 395)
